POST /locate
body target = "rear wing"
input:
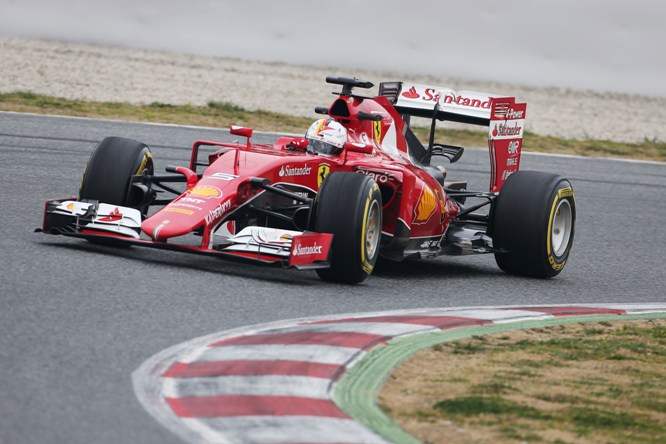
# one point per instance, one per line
(504, 118)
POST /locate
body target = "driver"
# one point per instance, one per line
(326, 136)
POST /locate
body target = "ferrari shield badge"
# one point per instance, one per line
(323, 171)
(377, 131)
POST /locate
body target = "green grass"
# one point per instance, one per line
(492, 388)
(486, 405)
(507, 414)
(561, 398)
(215, 114)
(586, 418)
(576, 349)
(468, 348)
(224, 114)
(599, 383)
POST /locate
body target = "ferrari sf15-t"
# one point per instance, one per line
(358, 186)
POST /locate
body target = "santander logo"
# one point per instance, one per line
(505, 130)
(447, 96)
(288, 171)
(300, 250)
(411, 94)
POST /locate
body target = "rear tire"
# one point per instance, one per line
(533, 224)
(349, 206)
(110, 168)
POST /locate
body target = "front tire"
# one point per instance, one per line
(533, 224)
(108, 174)
(110, 169)
(349, 206)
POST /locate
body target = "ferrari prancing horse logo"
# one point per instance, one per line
(377, 130)
(322, 172)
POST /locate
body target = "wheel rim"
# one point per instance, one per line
(372, 230)
(561, 228)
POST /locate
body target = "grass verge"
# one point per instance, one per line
(224, 114)
(599, 382)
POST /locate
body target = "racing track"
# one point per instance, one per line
(78, 319)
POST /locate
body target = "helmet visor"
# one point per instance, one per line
(322, 147)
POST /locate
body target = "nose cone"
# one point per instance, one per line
(163, 226)
(203, 205)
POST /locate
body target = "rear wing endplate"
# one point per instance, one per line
(505, 139)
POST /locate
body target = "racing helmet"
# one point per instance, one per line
(326, 136)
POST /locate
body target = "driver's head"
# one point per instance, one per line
(326, 136)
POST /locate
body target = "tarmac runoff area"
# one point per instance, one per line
(315, 379)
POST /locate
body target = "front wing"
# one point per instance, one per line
(116, 225)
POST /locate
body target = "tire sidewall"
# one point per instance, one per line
(111, 165)
(563, 191)
(373, 197)
(343, 206)
(523, 220)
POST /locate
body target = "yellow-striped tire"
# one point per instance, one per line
(533, 223)
(112, 164)
(349, 206)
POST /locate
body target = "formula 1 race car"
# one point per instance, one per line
(359, 185)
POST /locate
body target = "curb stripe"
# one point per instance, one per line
(442, 322)
(237, 405)
(251, 368)
(273, 385)
(325, 354)
(494, 315)
(352, 340)
(288, 381)
(383, 329)
(575, 311)
(273, 429)
(638, 308)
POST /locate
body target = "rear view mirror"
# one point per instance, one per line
(241, 131)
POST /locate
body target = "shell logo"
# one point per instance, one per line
(179, 210)
(426, 206)
(205, 191)
(286, 237)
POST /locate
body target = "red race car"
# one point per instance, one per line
(359, 185)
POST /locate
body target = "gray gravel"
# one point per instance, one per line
(139, 76)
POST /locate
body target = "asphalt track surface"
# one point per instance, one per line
(77, 319)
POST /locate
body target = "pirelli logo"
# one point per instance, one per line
(565, 192)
